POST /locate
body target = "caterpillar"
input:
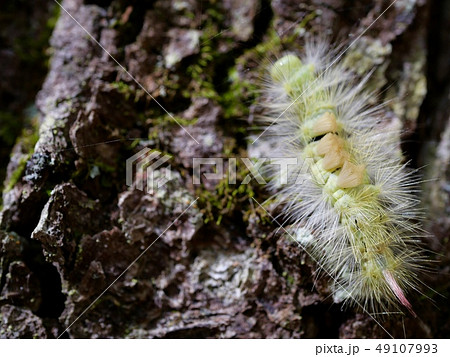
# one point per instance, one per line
(356, 195)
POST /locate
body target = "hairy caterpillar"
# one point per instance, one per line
(356, 196)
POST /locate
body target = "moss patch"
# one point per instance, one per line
(17, 174)
(27, 140)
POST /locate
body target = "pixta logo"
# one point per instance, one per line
(148, 171)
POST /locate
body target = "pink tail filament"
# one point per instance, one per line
(398, 291)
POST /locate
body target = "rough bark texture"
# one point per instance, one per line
(70, 226)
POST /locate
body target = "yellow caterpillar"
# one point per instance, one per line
(356, 197)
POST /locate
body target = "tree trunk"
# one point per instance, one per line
(84, 254)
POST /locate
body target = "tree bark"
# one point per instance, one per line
(80, 246)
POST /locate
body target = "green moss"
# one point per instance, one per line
(30, 136)
(226, 198)
(232, 100)
(290, 280)
(27, 140)
(165, 123)
(201, 72)
(202, 69)
(17, 174)
(241, 93)
(95, 169)
(124, 89)
(235, 102)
